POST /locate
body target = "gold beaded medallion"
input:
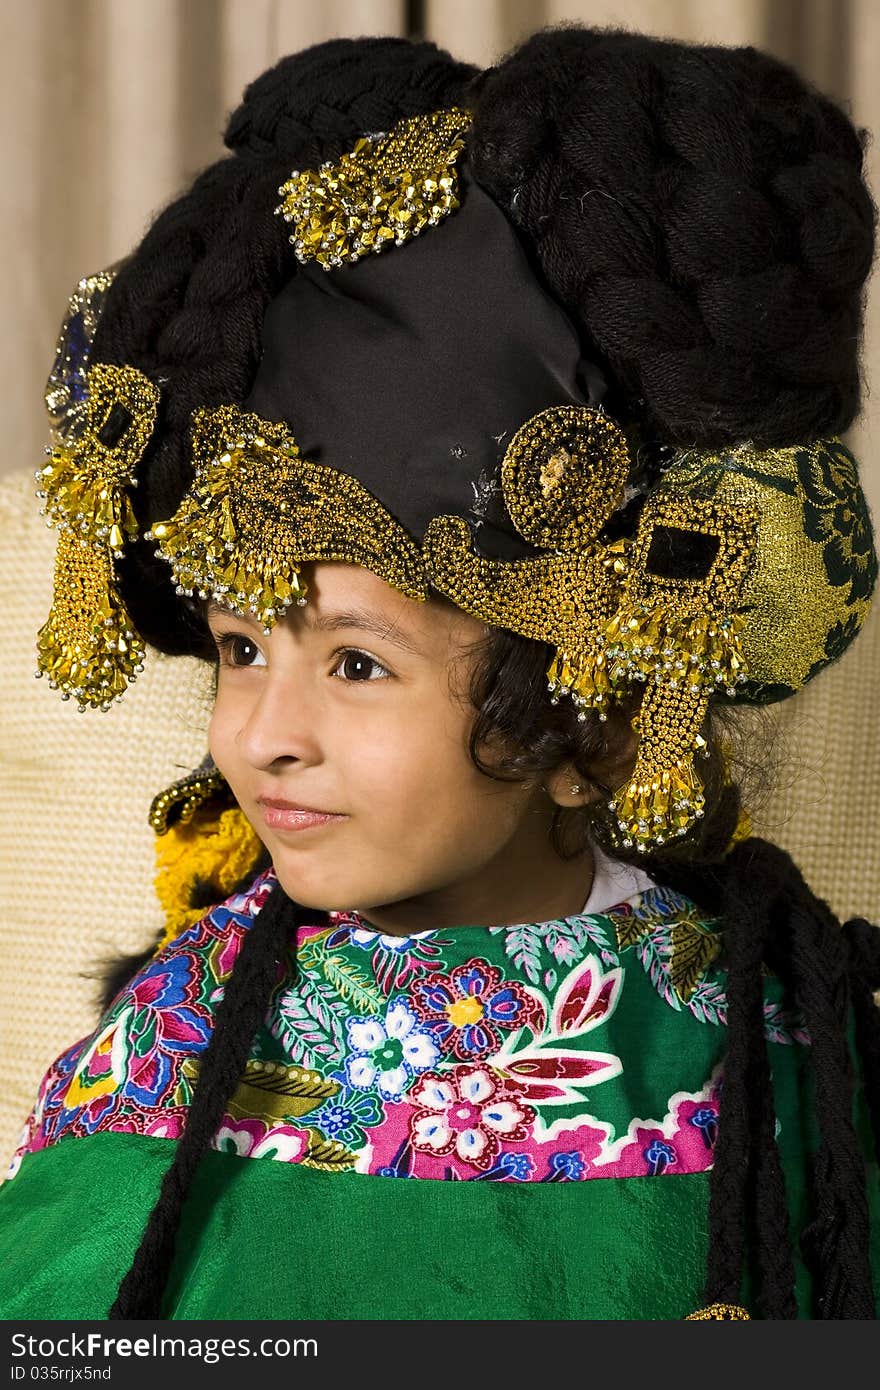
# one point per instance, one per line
(562, 475)
(88, 646)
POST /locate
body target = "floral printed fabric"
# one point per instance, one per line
(585, 1047)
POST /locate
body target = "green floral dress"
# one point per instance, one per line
(482, 1122)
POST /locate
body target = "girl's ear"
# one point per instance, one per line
(568, 787)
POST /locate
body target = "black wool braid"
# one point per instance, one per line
(223, 1064)
(836, 1242)
(773, 1249)
(863, 947)
(701, 212)
(729, 1179)
(772, 1236)
(773, 1245)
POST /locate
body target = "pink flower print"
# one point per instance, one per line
(466, 1112)
(585, 998)
(545, 1072)
(465, 1008)
(257, 1139)
(168, 1126)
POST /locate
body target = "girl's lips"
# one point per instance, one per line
(284, 818)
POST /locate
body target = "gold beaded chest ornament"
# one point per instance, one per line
(749, 571)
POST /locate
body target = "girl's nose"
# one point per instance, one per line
(282, 723)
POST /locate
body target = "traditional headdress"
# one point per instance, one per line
(429, 414)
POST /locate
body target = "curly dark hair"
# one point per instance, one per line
(701, 213)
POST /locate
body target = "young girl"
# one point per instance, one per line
(491, 470)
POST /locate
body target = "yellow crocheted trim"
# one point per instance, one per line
(743, 831)
(218, 847)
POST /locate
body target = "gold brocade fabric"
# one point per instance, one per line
(810, 586)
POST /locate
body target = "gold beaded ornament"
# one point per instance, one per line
(719, 1312)
(257, 511)
(610, 611)
(66, 392)
(88, 646)
(563, 474)
(386, 190)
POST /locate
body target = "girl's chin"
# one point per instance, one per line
(320, 892)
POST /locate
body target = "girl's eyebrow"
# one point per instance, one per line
(364, 620)
(359, 618)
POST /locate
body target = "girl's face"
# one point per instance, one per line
(349, 706)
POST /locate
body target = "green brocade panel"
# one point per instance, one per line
(263, 1239)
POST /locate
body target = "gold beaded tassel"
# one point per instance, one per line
(388, 189)
(664, 796)
(88, 646)
(677, 629)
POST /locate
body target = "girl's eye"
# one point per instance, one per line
(356, 663)
(236, 649)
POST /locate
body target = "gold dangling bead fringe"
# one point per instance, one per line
(683, 660)
(87, 646)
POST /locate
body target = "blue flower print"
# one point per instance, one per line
(659, 1156)
(346, 1115)
(565, 1167)
(388, 1054)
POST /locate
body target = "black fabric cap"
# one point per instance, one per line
(412, 369)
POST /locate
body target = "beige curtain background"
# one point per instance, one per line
(109, 107)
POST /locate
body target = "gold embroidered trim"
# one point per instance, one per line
(177, 804)
(88, 646)
(257, 511)
(385, 191)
